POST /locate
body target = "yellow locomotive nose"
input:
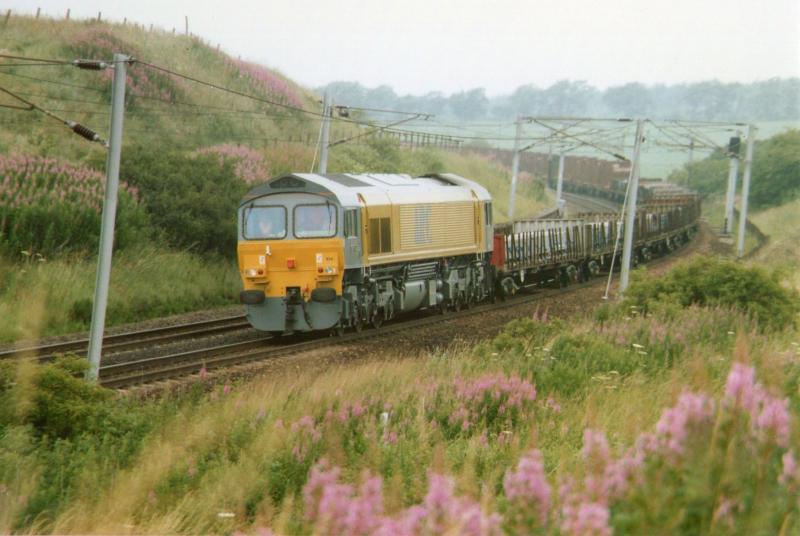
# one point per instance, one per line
(303, 264)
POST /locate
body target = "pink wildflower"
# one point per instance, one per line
(740, 389)
(552, 404)
(672, 427)
(724, 511)
(357, 409)
(790, 475)
(773, 420)
(587, 518)
(528, 487)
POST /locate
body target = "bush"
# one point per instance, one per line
(191, 199)
(68, 434)
(713, 282)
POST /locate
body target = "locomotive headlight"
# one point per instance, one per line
(251, 272)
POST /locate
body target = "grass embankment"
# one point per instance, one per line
(782, 225)
(42, 296)
(684, 420)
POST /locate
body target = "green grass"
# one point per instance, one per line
(782, 225)
(42, 297)
(247, 448)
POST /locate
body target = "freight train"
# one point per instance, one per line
(339, 251)
(615, 189)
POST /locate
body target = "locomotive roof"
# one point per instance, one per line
(377, 188)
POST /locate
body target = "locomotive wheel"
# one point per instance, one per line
(377, 319)
(358, 325)
(444, 307)
(337, 330)
(457, 304)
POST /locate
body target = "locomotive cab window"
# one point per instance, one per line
(264, 223)
(314, 221)
(351, 223)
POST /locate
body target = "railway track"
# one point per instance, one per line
(121, 342)
(577, 204)
(122, 375)
(171, 366)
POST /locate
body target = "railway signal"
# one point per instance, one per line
(733, 175)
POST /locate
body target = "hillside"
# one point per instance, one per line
(167, 111)
(160, 108)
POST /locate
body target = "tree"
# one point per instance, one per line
(630, 100)
(469, 105)
(568, 98)
(526, 100)
(776, 170)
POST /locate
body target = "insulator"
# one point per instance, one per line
(83, 131)
(90, 65)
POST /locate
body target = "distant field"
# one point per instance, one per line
(657, 161)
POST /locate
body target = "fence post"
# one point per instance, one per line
(68, 10)
(8, 16)
(99, 16)
(38, 11)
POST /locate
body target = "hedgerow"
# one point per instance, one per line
(709, 282)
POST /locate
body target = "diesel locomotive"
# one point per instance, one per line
(336, 251)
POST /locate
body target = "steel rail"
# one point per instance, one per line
(134, 339)
(171, 366)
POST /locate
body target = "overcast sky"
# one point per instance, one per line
(417, 46)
